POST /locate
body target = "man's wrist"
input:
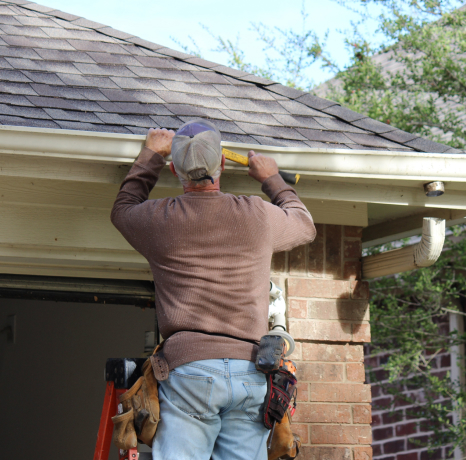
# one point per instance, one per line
(147, 154)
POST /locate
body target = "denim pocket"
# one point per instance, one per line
(190, 393)
(254, 404)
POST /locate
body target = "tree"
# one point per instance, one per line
(426, 92)
(406, 315)
(425, 41)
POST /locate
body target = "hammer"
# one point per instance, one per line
(290, 178)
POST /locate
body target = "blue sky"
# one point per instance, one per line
(159, 21)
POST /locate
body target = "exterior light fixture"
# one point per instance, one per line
(434, 188)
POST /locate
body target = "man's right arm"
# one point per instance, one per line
(289, 220)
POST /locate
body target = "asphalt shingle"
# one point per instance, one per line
(88, 76)
(148, 97)
(4, 64)
(337, 125)
(13, 99)
(271, 131)
(5, 19)
(167, 122)
(13, 75)
(210, 77)
(70, 115)
(425, 145)
(23, 31)
(241, 139)
(23, 64)
(324, 136)
(373, 125)
(155, 62)
(85, 45)
(30, 122)
(286, 91)
(316, 102)
(119, 95)
(92, 94)
(244, 92)
(115, 59)
(104, 70)
(26, 112)
(297, 108)
(22, 53)
(16, 88)
(252, 117)
(370, 140)
(61, 55)
(67, 104)
(343, 113)
(63, 15)
(34, 21)
(297, 122)
(399, 136)
(191, 88)
(57, 91)
(137, 83)
(32, 42)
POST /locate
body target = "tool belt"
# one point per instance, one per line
(140, 405)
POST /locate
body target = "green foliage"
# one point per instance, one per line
(425, 93)
(407, 312)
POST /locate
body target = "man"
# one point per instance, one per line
(210, 255)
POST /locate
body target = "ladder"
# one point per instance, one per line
(120, 374)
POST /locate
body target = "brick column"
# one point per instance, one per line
(328, 316)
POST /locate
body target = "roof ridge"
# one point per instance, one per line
(315, 102)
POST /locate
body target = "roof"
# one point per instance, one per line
(58, 70)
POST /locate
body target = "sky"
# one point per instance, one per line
(163, 22)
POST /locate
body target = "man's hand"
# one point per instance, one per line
(160, 141)
(261, 167)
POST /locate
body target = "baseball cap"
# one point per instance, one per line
(196, 150)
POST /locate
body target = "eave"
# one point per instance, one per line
(57, 188)
(367, 176)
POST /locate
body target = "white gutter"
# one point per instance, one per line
(423, 254)
(328, 174)
(124, 148)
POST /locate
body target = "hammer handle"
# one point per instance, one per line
(288, 177)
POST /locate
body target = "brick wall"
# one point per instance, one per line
(328, 316)
(396, 424)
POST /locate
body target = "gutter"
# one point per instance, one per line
(423, 254)
(124, 148)
(328, 174)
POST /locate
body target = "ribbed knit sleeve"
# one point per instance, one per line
(289, 220)
(131, 210)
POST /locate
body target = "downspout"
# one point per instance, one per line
(422, 254)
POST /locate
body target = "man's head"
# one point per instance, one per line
(197, 153)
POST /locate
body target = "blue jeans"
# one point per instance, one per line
(212, 409)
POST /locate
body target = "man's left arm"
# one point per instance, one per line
(128, 211)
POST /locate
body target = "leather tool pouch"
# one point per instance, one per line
(141, 411)
(285, 444)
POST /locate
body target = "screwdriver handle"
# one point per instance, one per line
(288, 177)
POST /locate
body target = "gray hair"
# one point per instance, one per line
(198, 173)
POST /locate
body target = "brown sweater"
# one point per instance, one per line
(210, 255)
